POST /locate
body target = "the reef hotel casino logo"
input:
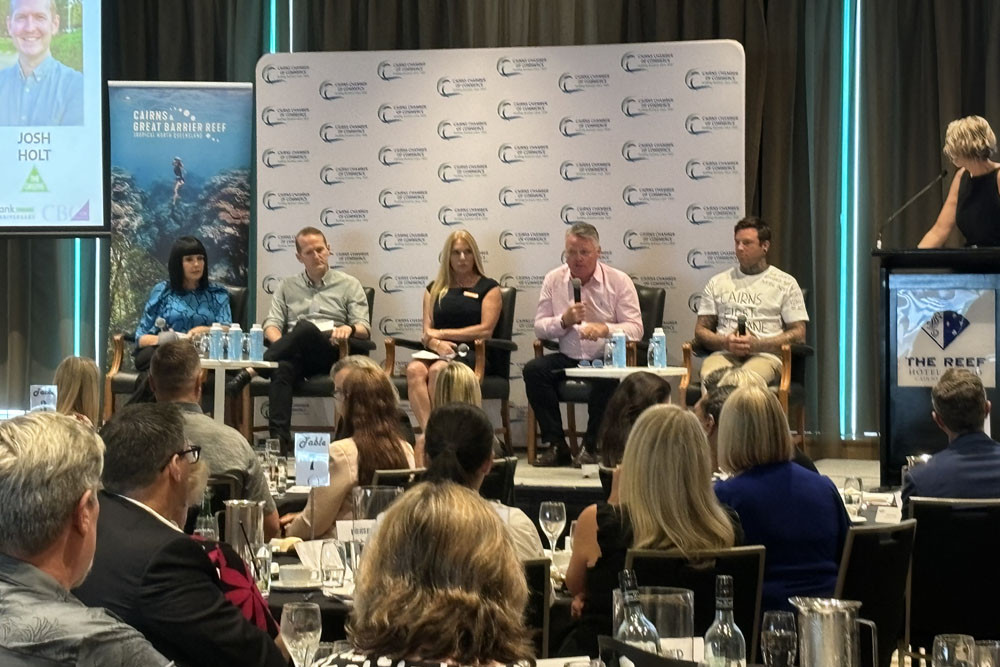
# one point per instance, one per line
(577, 171)
(641, 195)
(578, 82)
(637, 151)
(635, 240)
(633, 62)
(275, 158)
(395, 113)
(391, 241)
(274, 116)
(514, 153)
(337, 217)
(274, 74)
(517, 109)
(515, 240)
(332, 133)
(703, 79)
(393, 70)
(454, 86)
(635, 107)
(449, 130)
(338, 90)
(697, 124)
(698, 258)
(334, 175)
(390, 199)
(944, 328)
(275, 201)
(702, 214)
(572, 126)
(462, 215)
(699, 170)
(570, 214)
(511, 196)
(508, 66)
(391, 156)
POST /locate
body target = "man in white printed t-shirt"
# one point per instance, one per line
(767, 297)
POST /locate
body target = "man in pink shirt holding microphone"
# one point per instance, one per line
(582, 303)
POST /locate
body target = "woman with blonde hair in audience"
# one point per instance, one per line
(372, 442)
(461, 305)
(666, 502)
(77, 381)
(439, 584)
(795, 513)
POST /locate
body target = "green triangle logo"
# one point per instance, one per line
(34, 182)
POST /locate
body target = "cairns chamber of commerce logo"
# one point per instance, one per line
(277, 242)
(700, 79)
(632, 240)
(387, 325)
(508, 67)
(270, 283)
(636, 240)
(389, 199)
(384, 70)
(707, 259)
(446, 130)
(462, 215)
(387, 114)
(271, 117)
(694, 125)
(328, 133)
(695, 170)
(505, 67)
(328, 175)
(944, 327)
(387, 241)
(270, 74)
(693, 302)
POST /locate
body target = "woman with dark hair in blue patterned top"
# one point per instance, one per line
(187, 303)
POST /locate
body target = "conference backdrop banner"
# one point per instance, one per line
(390, 151)
(180, 165)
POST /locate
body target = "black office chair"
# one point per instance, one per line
(121, 376)
(316, 386)
(499, 483)
(874, 570)
(496, 349)
(652, 303)
(536, 615)
(404, 478)
(954, 583)
(744, 564)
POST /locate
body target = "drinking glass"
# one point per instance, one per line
(301, 627)
(552, 518)
(609, 354)
(281, 474)
(568, 543)
(273, 446)
(854, 495)
(323, 651)
(778, 640)
(953, 651)
(207, 527)
(261, 570)
(332, 560)
(987, 653)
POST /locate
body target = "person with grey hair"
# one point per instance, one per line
(146, 570)
(581, 304)
(38, 89)
(969, 467)
(50, 473)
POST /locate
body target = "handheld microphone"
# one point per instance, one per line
(741, 325)
(576, 289)
(884, 225)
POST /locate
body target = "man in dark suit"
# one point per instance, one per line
(146, 570)
(970, 466)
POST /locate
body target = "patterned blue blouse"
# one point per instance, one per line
(184, 311)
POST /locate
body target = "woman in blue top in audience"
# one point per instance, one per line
(187, 303)
(795, 513)
(461, 305)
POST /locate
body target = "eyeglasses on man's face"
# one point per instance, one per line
(191, 452)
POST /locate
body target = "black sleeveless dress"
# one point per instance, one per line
(463, 307)
(978, 211)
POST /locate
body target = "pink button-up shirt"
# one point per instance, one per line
(610, 297)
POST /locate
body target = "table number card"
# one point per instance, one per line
(312, 459)
(43, 397)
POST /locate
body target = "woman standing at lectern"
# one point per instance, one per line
(974, 197)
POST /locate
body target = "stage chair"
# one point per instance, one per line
(317, 386)
(121, 375)
(652, 303)
(404, 478)
(874, 571)
(497, 349)
(954, 583)
(536, 615)
(697, 573)
(499, 483)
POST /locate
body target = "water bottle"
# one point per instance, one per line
(659, 346)
(235, 350)
(724, 643)
(215, 341)
(635, 630)
(620, 345)
(256, 343)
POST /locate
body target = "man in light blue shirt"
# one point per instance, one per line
(38, 89)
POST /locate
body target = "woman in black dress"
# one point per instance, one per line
(973, 203)
(461, 305)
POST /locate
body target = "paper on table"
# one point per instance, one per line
(298, 489)
(888, 515)
(426, 355)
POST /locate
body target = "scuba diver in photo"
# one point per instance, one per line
(178, 180)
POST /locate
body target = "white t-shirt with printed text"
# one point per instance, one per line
(769, 300)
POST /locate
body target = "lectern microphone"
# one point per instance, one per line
(884, 225)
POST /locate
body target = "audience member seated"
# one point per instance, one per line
(459, 446)
(373, 442)
(634, 394)
(175, 377)
(78, 389)
(50, 471)
(185, 305)
(456, 383)
(709, 406)
(146, 570)
(666, 502)
(969, 467)
(711, 381)
(795, 513)
(339, 374)
(461, 305)
(439, 584)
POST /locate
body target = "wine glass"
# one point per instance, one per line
(332, 559)
(854, 495)
(953, 651)
(301, 627)
(552, 518)
(778, 641)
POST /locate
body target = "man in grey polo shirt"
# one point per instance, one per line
(310, 313)
(175, 377)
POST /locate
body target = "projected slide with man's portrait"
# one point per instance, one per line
(51, 116)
